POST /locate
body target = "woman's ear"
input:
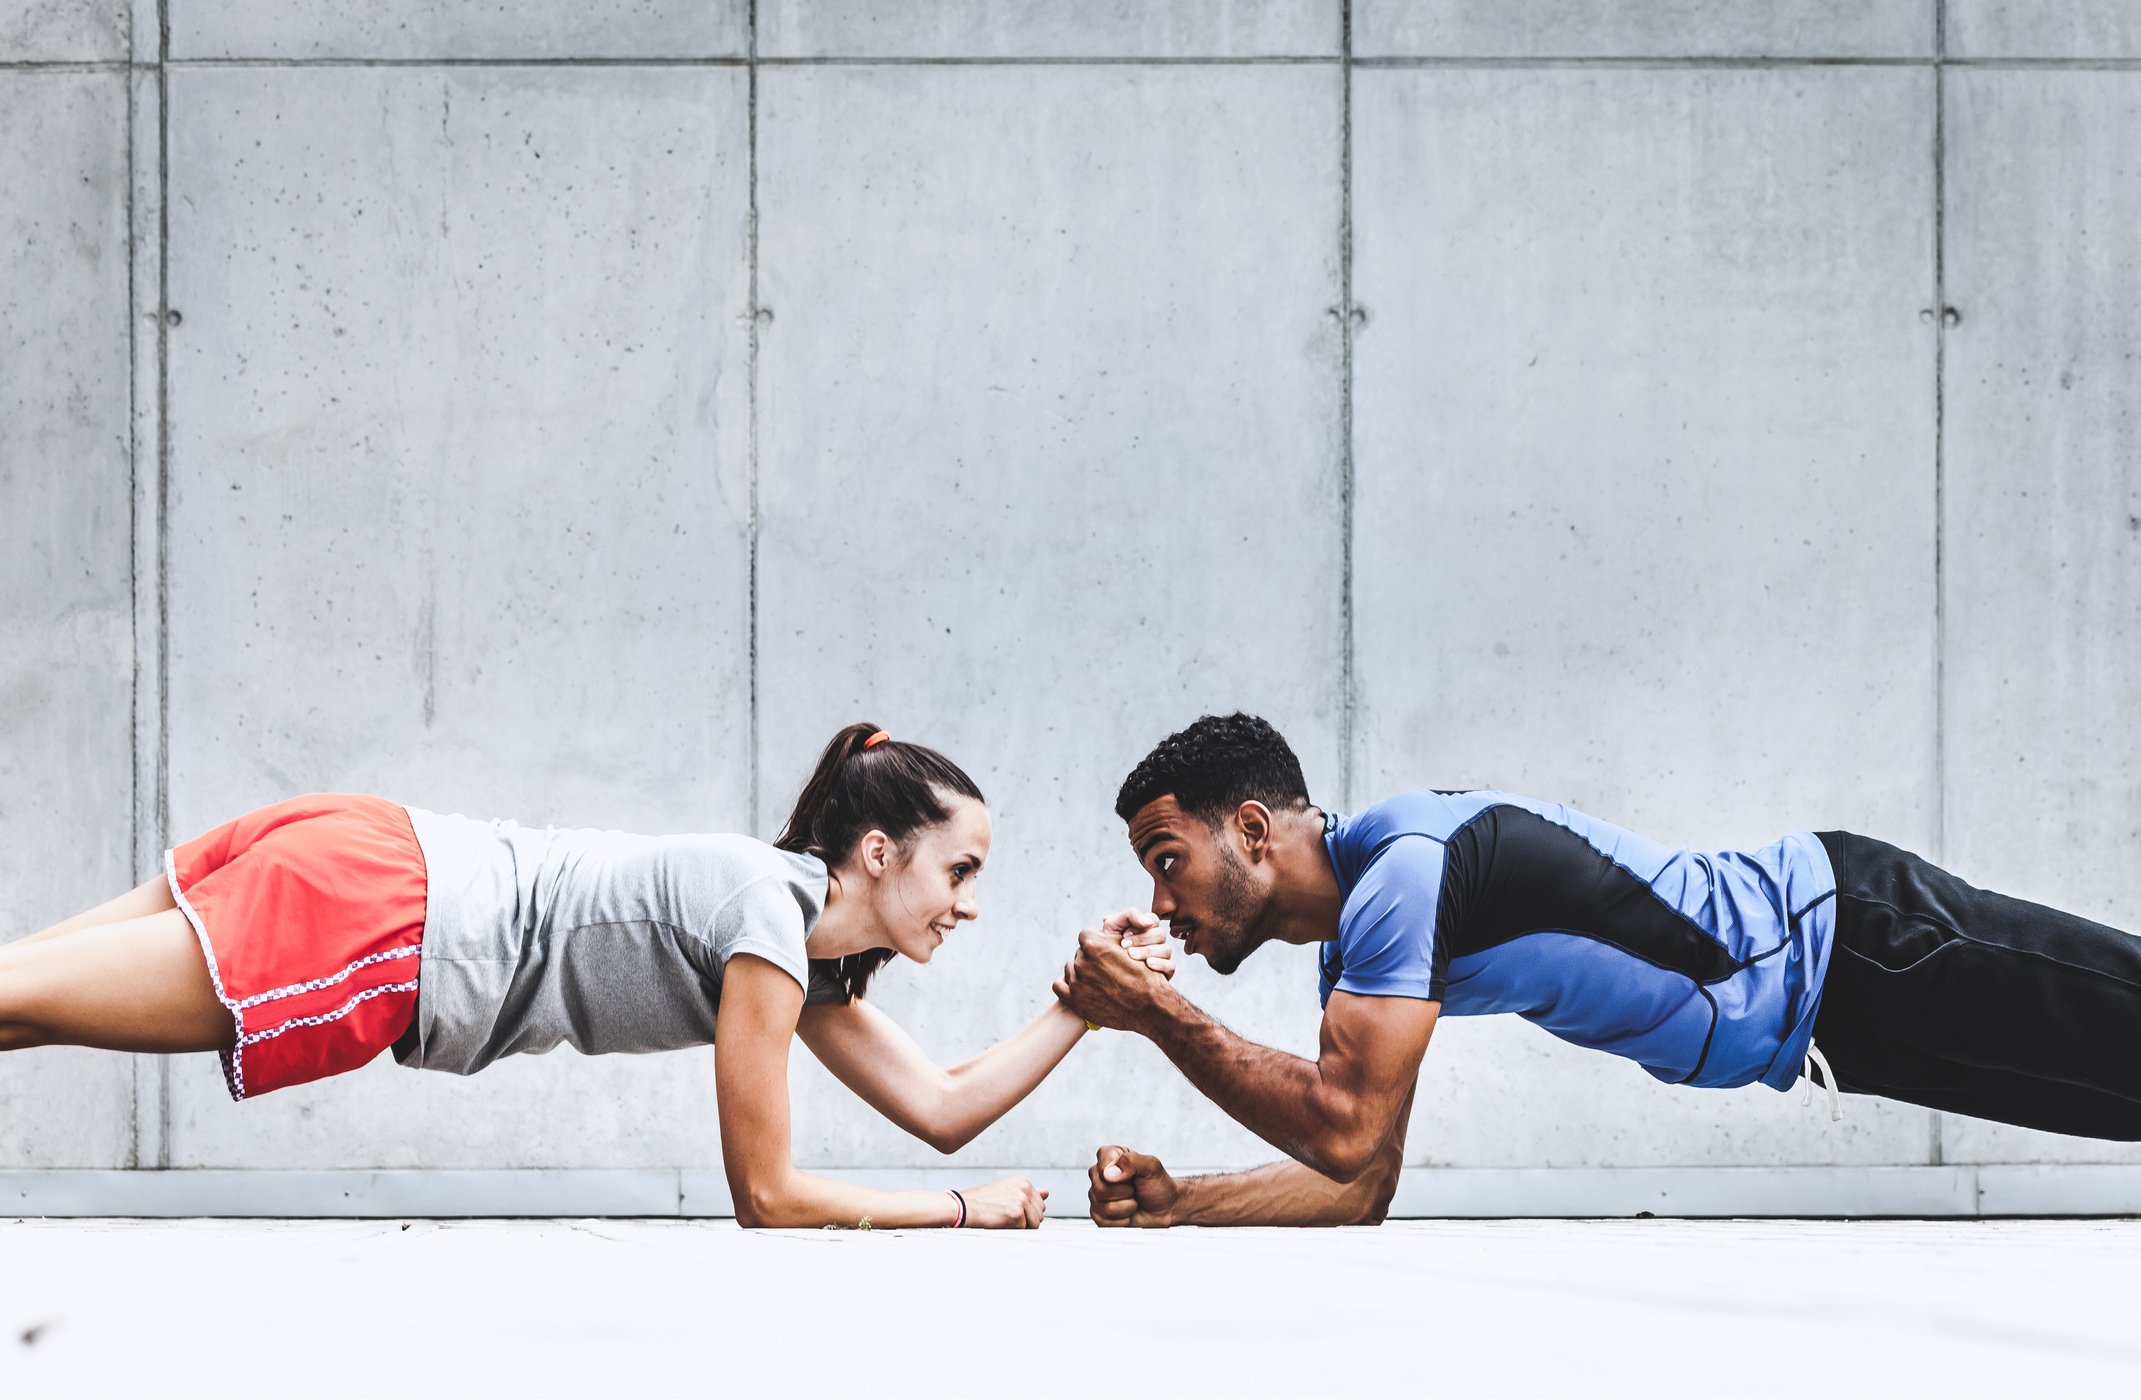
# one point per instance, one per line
(875, 852)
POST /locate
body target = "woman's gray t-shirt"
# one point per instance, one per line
(601, 940)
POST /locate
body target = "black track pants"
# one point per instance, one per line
(1956, 998)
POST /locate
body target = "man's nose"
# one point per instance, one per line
(1163, 903)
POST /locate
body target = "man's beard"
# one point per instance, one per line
(1236, 926)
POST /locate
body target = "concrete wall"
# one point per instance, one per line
(575, 411)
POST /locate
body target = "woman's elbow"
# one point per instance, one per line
(756, 1215)
(943, 1124)
(947, 1138)
(765, 1206)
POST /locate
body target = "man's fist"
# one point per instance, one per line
(1129, 1188)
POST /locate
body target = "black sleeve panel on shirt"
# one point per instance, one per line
(1513, 872)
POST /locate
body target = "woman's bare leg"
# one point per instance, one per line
(150, 897)
(139, 985)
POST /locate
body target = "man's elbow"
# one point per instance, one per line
(1351, 1148)
(1377, 1188)
(1345, 1157)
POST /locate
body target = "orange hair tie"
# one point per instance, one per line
(875, 739)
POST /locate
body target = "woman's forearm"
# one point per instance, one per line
(986, 1087)
(798, 1200)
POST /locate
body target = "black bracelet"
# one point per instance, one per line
(956, 1224)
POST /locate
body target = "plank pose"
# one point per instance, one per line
(1715, 969)
(301, 940)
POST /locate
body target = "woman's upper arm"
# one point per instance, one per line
(868, 1052)
(759, 1007)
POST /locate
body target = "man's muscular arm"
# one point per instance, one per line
(1330, 1114)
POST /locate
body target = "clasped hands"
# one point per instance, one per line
(1119, 968)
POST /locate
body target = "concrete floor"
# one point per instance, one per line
(609, 1307)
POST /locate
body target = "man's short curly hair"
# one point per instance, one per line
(1214, 766)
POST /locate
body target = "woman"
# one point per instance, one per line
(303, 939)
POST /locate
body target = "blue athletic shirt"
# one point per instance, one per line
(1703, 967)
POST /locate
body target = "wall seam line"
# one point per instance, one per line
(134, 824)
(1349, 683)
(1623, 61)
(162, 815)
(751, 491)
(1643, 61)
(1937, 1146)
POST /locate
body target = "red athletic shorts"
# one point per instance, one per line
(311, 915)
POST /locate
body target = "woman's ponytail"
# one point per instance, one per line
(800, 833)
(863, 783)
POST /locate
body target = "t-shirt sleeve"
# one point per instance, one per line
(1386, 934)
(764, 920)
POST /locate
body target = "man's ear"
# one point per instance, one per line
(1254, 819)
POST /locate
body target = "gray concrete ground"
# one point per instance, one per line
(622, 1307)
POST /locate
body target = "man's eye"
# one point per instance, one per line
(1167, 865)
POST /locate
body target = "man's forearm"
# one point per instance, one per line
(1283, 1193)
(1282, 1098)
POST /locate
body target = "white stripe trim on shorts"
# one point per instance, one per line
(233, 1058)
(335, 1015)
(319, 983)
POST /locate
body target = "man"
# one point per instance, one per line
(1709, 969)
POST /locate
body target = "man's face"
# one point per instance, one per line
(1209, 895)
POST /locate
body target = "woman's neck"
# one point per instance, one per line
(844, 926)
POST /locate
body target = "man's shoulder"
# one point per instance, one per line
(1435, 813)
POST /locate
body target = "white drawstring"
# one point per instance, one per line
(1828, 1081)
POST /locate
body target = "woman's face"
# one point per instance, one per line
(923, 896)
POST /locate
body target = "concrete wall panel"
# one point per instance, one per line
(2043, 454)
(458, 493)
(2088, 29)
(1654, 29)
(425, 29)
(1645, 497)
(63, 31)
(66, 605)
(1042, 29)
(1032, 332)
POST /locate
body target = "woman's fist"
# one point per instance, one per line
(1011, 1204)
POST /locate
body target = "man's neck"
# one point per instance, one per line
(1307, 899)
